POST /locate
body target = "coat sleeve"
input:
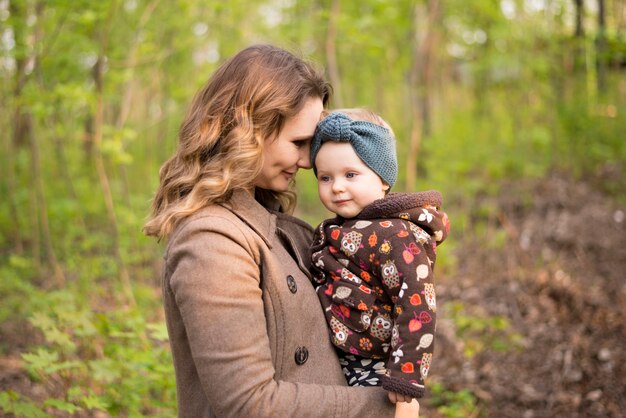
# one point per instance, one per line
(214, 277)
(414, 310)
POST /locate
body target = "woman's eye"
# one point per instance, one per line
(300, 143)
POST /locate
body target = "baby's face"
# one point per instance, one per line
(345, 184)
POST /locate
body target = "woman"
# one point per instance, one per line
(236, 266)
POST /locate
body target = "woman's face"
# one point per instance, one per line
(285, 154)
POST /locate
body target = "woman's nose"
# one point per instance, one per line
(305, 160)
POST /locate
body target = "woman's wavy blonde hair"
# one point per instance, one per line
(220, 141)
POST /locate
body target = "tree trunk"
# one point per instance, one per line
(579, 30)
(59, 278)
(619, 11)
(129, 90)
(63, 164)
(16, 140)
(21, 125)
(20, 121)
(601, 49)
(27, 131)
(430, 46)
(331, 53)
(420, 84)
(88, 139)
(16, 234)
(35, 244)
(579, 34)
(98, 124)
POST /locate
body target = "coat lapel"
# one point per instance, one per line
(293, 234)
(253, 214)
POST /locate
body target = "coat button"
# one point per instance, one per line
(302, 355)
(291, 283)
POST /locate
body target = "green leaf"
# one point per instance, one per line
(58, 337)
(41, 359)
(19, 406)
(62, 405)
(94, 402)
(158, 331)
(105, 370)
(65, 365)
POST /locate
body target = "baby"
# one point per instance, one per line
(373, 263)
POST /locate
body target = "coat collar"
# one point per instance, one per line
(256, 216)
(292, 233)
(397, 202)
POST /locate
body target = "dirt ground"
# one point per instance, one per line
(559, 278)
(553, 266)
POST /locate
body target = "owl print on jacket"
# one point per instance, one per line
(395, 336)
(340, 331)
(429, 295)
(381, 327)
(425, 364)
(342, 292)
(421, 236)
(389, 273)
(351, 242)
(348, 275)
(366, 319)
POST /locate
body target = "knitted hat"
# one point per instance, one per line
(373, 143)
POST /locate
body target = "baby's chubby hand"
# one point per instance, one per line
(410, 409)
(398, 397)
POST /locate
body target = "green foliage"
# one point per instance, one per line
(480, 332)
(20, 406)
(589, 136)
(112, 361)
(16, 287)
(451, 404)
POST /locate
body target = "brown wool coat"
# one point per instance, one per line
(247, 332)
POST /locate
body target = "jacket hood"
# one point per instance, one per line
(421, 208)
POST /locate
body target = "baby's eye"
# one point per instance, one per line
(324, 178)
(351, 175)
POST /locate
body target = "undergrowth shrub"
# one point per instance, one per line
(480, 331)
(453, 404)
(112, 361)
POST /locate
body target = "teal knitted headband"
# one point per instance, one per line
(373, 143)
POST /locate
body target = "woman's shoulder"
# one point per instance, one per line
(202, 223)
(212, 215)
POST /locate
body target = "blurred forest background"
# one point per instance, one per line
(514, 109)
